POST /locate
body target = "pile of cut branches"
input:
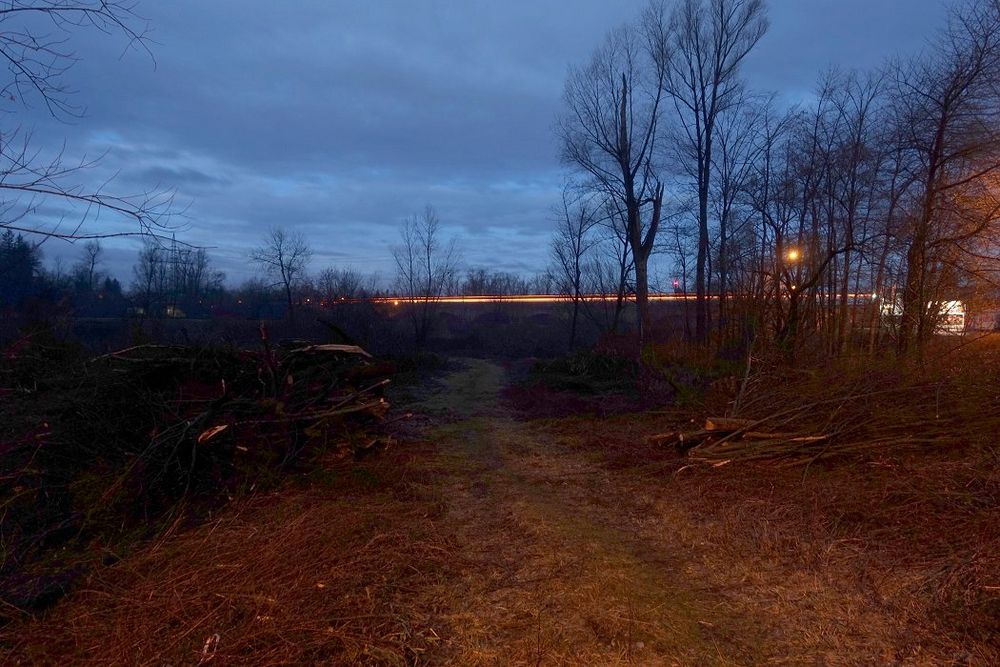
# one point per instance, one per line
(799, 416)
(725, 437)
(97, 454)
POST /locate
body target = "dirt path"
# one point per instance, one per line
(487, 539)
(570, 576)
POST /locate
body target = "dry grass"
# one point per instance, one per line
(876, 543)
(888, 561)
(99, 455)
(866, 408)
(894, 532)
(562, 541)
(284, 579)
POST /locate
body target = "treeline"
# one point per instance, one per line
(167, 280)
(27, 283)
(847, 220)
(174, 280)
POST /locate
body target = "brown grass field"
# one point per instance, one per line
(499, 531)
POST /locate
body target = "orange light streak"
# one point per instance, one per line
(540, 298)
(523, 298)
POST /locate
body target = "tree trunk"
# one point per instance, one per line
(576, 313)
(291, 307)
(910, 324)
(642, 295)
(701, 268)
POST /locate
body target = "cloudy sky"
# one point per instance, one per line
(339, 118)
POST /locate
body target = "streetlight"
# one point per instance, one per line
(793, 255)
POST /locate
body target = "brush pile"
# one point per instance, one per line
(726, 437)
(801, 416)
(99, 454)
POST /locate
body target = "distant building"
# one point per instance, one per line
(951, 315)
(951, 318)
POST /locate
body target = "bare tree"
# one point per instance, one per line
(427, 266)
(481, 282)
(499, 284)
(609, 134)
(86, 273)
(614, 268)
(737, 150)
(283, 256)
(679, 246)
(149, 276)
(571, 245)
(33, 43)
(772, 197)
(950, 110)
(542, 282)
(343, 285)
(708, 41)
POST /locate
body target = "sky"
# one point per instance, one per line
(340, 118)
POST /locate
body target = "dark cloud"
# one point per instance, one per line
(179, 177)
(340, 118)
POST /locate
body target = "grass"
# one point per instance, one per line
(282, 577)
(488, 536)
(99, 455)
(898, 538)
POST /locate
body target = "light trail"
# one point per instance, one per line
(523, 298)
(537, 298)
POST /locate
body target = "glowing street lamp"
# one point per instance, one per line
(793, 255)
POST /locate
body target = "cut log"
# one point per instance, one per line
(727, 424)
(683, 441)
(687, 441)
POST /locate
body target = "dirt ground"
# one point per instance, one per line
(484, 538)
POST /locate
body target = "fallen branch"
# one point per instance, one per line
(727, 424)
